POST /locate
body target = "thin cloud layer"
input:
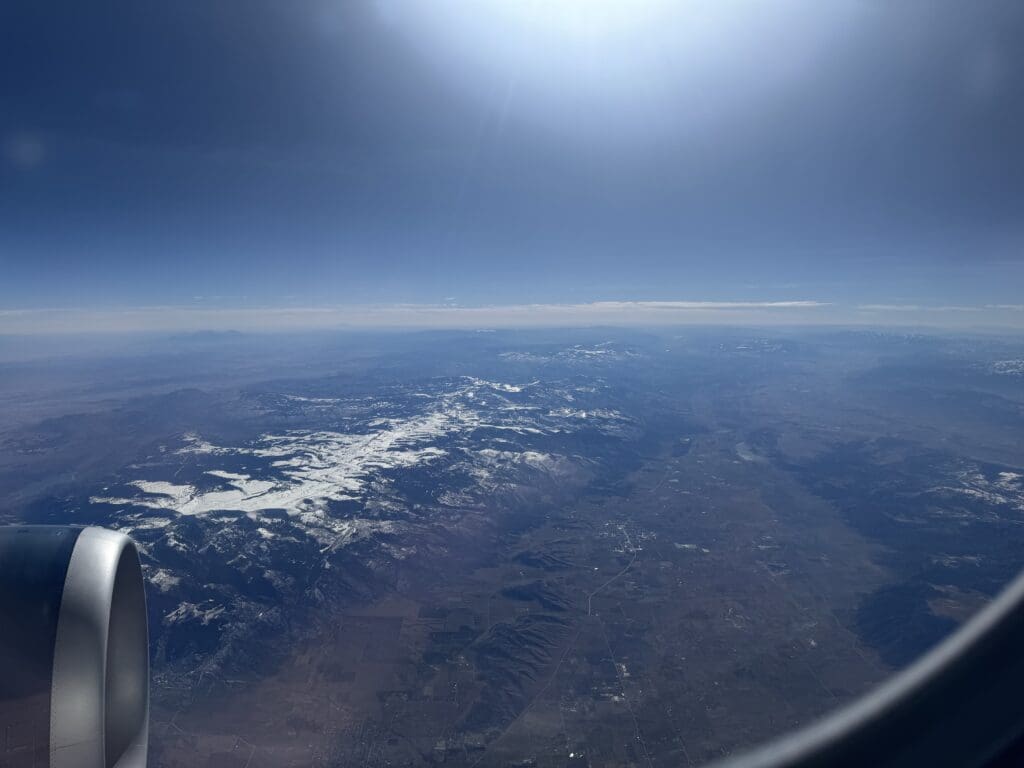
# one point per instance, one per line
(423, 316)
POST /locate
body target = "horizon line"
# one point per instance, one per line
(451, 315)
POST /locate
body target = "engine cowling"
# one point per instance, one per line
(74, 658)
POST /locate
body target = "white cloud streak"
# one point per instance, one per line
(394, 316)
(398, 316)
(924, 308)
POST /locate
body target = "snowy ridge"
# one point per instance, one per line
(313, 469)
(1006, 490)
(1008, 367)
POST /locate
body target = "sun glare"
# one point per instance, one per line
(626, 67)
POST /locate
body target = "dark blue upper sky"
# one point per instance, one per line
(324, 153)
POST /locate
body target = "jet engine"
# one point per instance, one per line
(74, 658)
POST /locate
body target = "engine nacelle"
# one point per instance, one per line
(74, 657)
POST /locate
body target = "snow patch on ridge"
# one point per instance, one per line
(312, 468)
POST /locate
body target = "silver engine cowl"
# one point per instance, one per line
(74, 657)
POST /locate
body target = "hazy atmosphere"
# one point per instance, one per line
(458, 164)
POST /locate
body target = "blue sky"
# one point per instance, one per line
(225, 163)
